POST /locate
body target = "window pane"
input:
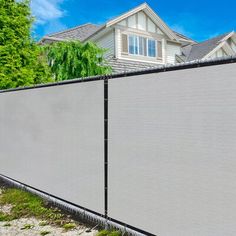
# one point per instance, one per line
(151, 48)
(142, 46)
(133, 44)
(136, 45)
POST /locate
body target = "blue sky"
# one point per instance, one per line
(200, 20)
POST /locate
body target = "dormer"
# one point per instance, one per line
(141, 35)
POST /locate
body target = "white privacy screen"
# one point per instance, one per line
(172, 151)
(52, 139)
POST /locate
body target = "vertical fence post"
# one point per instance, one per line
(106, 146)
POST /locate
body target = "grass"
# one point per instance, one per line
(44, 232)
(27, 226)
(109, 233)
(5, 217)
(43, 223)
(25, 204)
(7, 225)
(69, 226)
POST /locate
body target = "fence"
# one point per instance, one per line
(153, 150)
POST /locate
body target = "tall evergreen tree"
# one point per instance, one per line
(21, 63)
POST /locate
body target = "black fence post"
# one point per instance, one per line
(106, 146)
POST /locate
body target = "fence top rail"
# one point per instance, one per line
(158, 69)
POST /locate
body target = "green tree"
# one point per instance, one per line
(73, 59)
(21, 60)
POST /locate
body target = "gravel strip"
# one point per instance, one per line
(34, 227)
(15, 227)
(6, 208)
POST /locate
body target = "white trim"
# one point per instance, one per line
(146, 56)
(213, 51)
(227, 48)
(164, 57)
(147, 18)
(187, 40)
(234, 38)
(154, 17)
(141, 60)
(227, 36)
(52, 39)
(117, 35)
(161, 24)
(156, 45)
(233, 45)
(126, 15)
(233, 41)
(223, 44)
(141, 32)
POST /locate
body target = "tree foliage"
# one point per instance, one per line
(73, 59)
(21, 60)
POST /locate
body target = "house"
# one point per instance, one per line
(220, 46)
(140, 39)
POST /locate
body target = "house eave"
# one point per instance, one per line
(53, 39)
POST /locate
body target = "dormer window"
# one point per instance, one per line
(135, 45)
(142, 46)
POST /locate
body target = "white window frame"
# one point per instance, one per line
(147, 38)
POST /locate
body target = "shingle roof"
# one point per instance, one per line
(198, 51)
(80, 32)
(122, 65)
(181, 36)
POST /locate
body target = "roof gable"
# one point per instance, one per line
(88, 31)
(140, 21)
(201, 50)
(151, 14)
(224, 45)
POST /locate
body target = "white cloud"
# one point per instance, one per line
(53, 27)
(47, 10)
